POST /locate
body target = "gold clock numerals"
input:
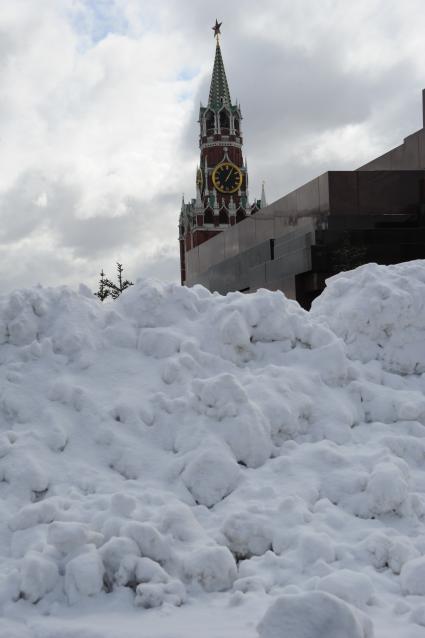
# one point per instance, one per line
(227, 177)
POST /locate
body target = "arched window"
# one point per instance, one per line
(210, 122)
(237, 130)
(224, 121)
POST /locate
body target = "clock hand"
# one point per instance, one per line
(230, 172)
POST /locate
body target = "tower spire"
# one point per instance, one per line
(219, 89)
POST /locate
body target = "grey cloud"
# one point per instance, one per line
(36, 206)
(164, 265)
(287, 92)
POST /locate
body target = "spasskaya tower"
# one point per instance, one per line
(222, 175)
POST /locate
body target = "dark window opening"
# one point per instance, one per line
(210, 121)
(223, 218)
(224, 122)
(208, 217)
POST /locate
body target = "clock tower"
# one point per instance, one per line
(222, 175)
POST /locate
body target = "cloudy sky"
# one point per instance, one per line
(98, 115)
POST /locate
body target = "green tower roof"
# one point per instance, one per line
(219, 89)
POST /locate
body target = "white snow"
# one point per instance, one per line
(83, 575)
(378, 311)
(312, 615)
(203, 465)
(353, 587)
(39, 575)
(413, 576)
(210, 476)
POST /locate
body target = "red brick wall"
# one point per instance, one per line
(199, 236)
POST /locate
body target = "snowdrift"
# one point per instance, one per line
(177, 448)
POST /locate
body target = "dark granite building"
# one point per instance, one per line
(335, 222)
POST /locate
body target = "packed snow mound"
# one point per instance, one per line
(313, 615)
(379, 311)
(413, 576)
(177, 444)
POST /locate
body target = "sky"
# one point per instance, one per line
(99, 105)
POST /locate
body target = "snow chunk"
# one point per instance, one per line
(211, 476)
(156, 594)
(314, 547)
(22, 330)
(38, 576)
(238, 420)
(219, 397)
(31, 515)
(67, 537)
(387, 488)
(158, 342)
(236, 336)
(380, 403)
(149, 541)
(418, 615)
(114, 551)
(313, 615)
(134, 570)
(250, 583)
(27, 477)
(214, 568)
(353, 587)
(390, 552)
(122, 504)
(413, 577)
(83, 576)
(247, 534)
(151, 303)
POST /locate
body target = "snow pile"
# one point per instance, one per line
(177, 444)
(313, 615)
(379, 312)
(413, 576)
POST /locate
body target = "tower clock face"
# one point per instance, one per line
(227, 177)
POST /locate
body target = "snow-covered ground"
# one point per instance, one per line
(179, 464)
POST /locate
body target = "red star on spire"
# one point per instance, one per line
(216, 28)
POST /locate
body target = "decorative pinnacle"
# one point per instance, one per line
(263, 195)
(216, 29)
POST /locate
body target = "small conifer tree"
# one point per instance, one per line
(103, 291)
(108, 288)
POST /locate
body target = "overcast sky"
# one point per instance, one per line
(99, 104)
